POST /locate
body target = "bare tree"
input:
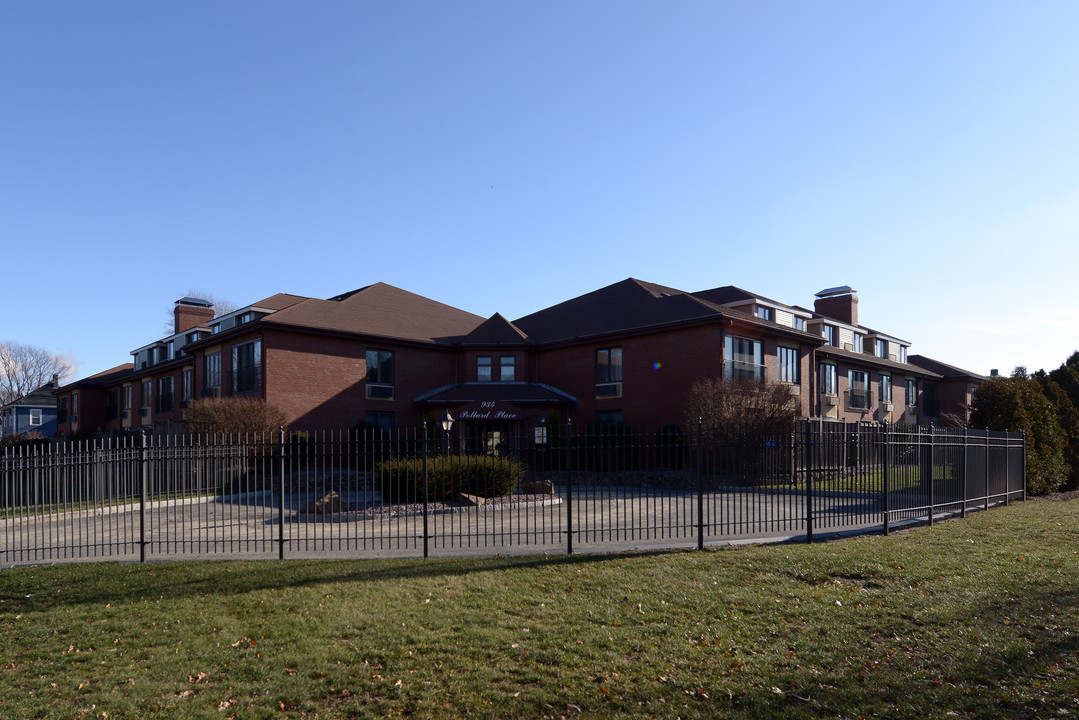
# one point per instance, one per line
(25, 368)
(718, 402)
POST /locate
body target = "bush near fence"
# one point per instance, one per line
(401, 480)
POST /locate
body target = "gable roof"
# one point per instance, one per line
(41, 397)
(630, 304)
(105, 377)
(496, 330)
(381, 310)
(943, 369)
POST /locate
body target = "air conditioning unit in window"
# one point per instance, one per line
(887, 406)
(125, 413)
(144, 411)
(830, 400)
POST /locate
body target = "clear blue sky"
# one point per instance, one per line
(503, 157)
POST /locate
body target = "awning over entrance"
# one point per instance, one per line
(496, 401)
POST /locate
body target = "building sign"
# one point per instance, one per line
(488, 410)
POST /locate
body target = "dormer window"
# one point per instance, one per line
(902, 353)
(766, 313)
(882, 348)
(244, 318)
(831, 335)
(856, 342)
(799, 323)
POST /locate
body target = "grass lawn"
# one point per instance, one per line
(973, 618)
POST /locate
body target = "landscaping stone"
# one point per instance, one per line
(470, 500)
(329, 503)
(538, 487)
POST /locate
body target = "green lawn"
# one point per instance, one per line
(972, 618)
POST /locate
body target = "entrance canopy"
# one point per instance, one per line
(496, 401)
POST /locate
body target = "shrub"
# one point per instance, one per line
(234, 416)
(401, 479)
(27, 440)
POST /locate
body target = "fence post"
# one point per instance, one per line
(569, 487)
(1008, 469)
(932, 493)
(144, 481)
(887, 489)
(966, 441)
(1024, 467)
(986, 468)
(423, 449)
(809, 479)
(700, 484)
(281, 493)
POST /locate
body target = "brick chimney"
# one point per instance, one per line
(838, 303)
(190, 313)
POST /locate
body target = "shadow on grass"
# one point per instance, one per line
(41, 588)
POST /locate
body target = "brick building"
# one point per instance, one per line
(628, 352)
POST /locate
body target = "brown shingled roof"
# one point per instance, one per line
(105, 377)
(496, 330)
(382, 310)
(626, 305)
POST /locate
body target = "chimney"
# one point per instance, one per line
(190, 313)
(839, 303)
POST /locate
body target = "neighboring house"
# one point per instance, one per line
(32, 413)
(628, 352)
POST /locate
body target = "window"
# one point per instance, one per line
(859, 389)
(127, 399)
(507, 368)
(788, 364)
(247, 368)
(212, 375)
(930, 402)
(112, 404)
(74, 406)
(170, 350)
(799, 323)
(164, 394)
(187, 384)
(742, 358)
(61, 411)
(828, 383)
(483, 368)
(882, 348)
(147, 395)
(766, 313)
(902, 353)
(383, 420)
(856, 341)
(609, 372)
(35, 416)
(380, 374)
(884, 389)
(243, 318)
(831, 335)
(911, 392)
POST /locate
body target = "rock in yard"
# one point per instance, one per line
(330, 503)
(538, 487)
(470, 500)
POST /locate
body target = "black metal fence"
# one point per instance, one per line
(489, 489)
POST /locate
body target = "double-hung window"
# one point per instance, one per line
(856, 342)
(902, 353)
(247, 368)
(35, 417)
(831, 335)
(911, 392)
(380, 374)
(147, 397)
(829, 383)
(742, 358)
(211, 378)
(164, 394)
(609, 372)
(127, 400)
(187, 384)
(882, 349)
(483, 369)
(859, 389)
(884, 391)
(930, 401)
(788, 364)
(112, 404)
(74, 406)
(507, 368)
